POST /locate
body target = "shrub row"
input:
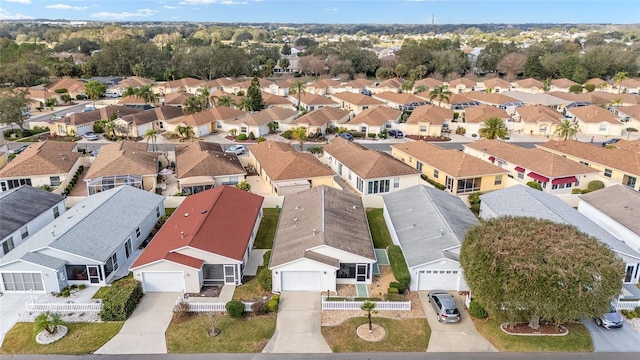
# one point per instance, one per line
(436, 184)
(264, 278)
(121, 299)
(74, 180)
(399, 266)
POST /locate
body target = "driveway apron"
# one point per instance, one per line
(457, 337)
(143, 332)
(624, 339)
(298, 325)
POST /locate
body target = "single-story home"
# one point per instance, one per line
(594, 120)
(429, 120)
(258, 122)
(138, 123)
(319, 120)
(203, 165)
(400, 101)
(310, 102)
(375, 120)
(355, 102)
(462, 85)
(78, 124)
(475, 116)
(536, 120)
(205, 122)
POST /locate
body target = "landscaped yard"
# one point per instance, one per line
(267, 229)
(407, 335)
(82, 338)
(247, 335)
(578, 339)
(252, 289)
(378, 228)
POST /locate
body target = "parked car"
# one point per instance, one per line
(91, 136)
(395, 134)
(610, 320)
(346, 136)
(20, 149)
(444, 306)
(610, 141)
(236, 149)
(95, 152)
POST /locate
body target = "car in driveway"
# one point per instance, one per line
(610, 320)
(395, 134)
(444, 305)
(236, 149)
(346, 136)
(91, 136)
(610, 141)
(20, 149)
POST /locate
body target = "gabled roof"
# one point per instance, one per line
(391, 83)
(398, 98)
(367, 163)
(18, 206)
(72, 85)
(595, 81)
(546, 99)
(462, 81)
(496, 82)
(617, 158)
(44, 158)
(324, 83)
(221, 113)
(282, 162)
(630, 83)
(176, 98)
(96, 115)
(323, 116)
(134, 81)
(598, 98)
(264, 83)
(430, 114)
(493, 98)
(187, 82)
(155, 114)
(539, 113)
(594, 114)
(356, 99)
(321, 216)
(272, 100)
(618, 202)
(107, 219)
(428, 82)
(428, 222)
(315, 99)
(529, 83)
(453, 162)
(511, 201)
(377, 116)
(235, 98)
(563, 83)
(480, 113)
(206, 159)
(218, 221)
(265, 116)
(123, 158)
(286, 83)
(221, 82)
(359, 83)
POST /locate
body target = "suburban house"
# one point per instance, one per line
(277, 101)
(614, 209)
(175, 99)
(474, 117)
(24, 211)
(456, 102)
(462, 85)
(555, 173)
(258, 122)
(287, 170)
(375, 120)
(617, 164)
(393, 85)
(38, 96)
(545, 99)
(243, 86)
(206, 242)
(545, 206)
(562, 85)
(529, 85)
(400, 101)
(322, 240)
(281, 88)
(429, 226)
(536, 120)
(74, 87)
(132, 81)
(368, 171)
(429, 120)
(630, 116)
(601, 85)
(498, 100)
(458, 172)
(90, 244)
(48, 163)
(203, 165)
(497, 85)
(594, 120)
(356, 86)
(355, 102)
(219, 84)
(310, 102)
(318, 121)
(631, 86)
(428, 83)
(78, 124)
(123, 163)
(205, 122)
(184, 85)
(322, 87)
(154, 119)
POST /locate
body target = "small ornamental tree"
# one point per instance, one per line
(48, 321)
(526, 268)
(369, 307)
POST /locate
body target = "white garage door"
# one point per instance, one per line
(301, 281)
(438, 280)
(22, 282)
(162, 281)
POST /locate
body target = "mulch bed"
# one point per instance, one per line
(524, 329)
(427, 138)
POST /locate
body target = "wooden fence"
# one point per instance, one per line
(64, 308)
(356, 305)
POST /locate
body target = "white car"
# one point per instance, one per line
(91, 136)
(236, 149)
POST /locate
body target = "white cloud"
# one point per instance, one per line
(333, 9)
(172, 7)
(124, 14)
(4, 15)
(65, 7)
(222, 2)
(26, 2)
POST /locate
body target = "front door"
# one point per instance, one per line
(94, 274)
(361, 272)
(628, 276)
(229, 274)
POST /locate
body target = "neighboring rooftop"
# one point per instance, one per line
(43, 158)
(202, 158)
(618, 202)
(282, 162)
(123, 158)
(18, 206)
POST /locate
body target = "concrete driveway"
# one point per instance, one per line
(143, 332)
(459, 337)
(624, 339)
(298, 325)
(11, 308)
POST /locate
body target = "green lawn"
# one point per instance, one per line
(378, 227)
(578, 339)
(267, 229)
(82, 338)
(169, 211)
(408, 335)
(248, 335)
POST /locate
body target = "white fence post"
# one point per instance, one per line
(356, 305)
(64, 308)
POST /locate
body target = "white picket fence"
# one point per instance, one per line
(356, 305)
(212, 306)
(627, 305)
(64, 308)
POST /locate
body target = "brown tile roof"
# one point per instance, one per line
(595, 81)
(594, 114)
(453, 162)
(43, 158)
(283, 162)
(222, 113)
(97, 115)
(480, 113)
(315, 99)
(155, 114)
(398, 98)
(221, 82)
(359, 83)
(617, 158)
(630, 83)
(123, 158)
(206, 159)
(539, 113)
(42, 94)
(428, 82)
(598, 98)
(392, 83)
(338, 218)
(462, 81)
(493, 98)
(496, 82)
(367, 163)
(323, 116)
(628, 98)
(270, 99)
(324, 83)
(453, 98)
(377, 116)
(529, 83)
(189, 81)
(72, 85)
(265, 116)
(563, 83)
(219, 221)
(135, 81)
(539, 161)
(619, 203)
(356, 99)
(628, 145)
(235, 98)
(131, 100)
(263, 83)
(176, 99)
(286, 83)
(430, 114)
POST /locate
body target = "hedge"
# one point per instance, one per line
(534, 185)
(235, 309)
(242, 137)
(264, 278)
(399, 265)
(121, 299)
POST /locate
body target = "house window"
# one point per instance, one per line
(607, 173)
(349, 174)
(436, 173)
(218, 125)
(158, 212)
(77, 272)
(449, 183)
(10, 184)
(584, 163)
(423, 128)
(55, 180)
(630, 181)
(419, 165)
(396, 183)
(468, 185)
(603, 127)
(111, 265)
(360, 184)
(56, 212)
(243, 129)
(340, 169)
(7, 246)
(127, 248)
(138, 232)
(378, 186)
(25, 232)
(498, 180)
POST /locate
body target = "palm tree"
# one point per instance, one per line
(567, 129)
(299, 133)
(151, 135)
(245, 104)
(233, 132)
(441, 92)
(145, 93)
(225, 101)
(630, 130)
(369, 307)
(204, 96)
(603, 85)
(185, 131)
(48, 322)
(617, 102)
(620, 76)
(110, 127)
(489, 90)
(494, 128)
(298, 88)
(547, 85)
(420, 88)
(192, 105)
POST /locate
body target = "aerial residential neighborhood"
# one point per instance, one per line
(174, 187)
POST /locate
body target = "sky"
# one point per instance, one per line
(330, 11)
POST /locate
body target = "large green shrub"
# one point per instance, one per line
(274, 302)
(121, 299)
(477, 311)
(287, 134)
(534, 185)
(242, 137)
(394, 284)
(264, 277)
(399, 265)
(235, 309)
(595, 185)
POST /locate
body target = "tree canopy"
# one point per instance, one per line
(13, 103)
(523, 268)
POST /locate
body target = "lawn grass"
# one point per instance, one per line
(251, 289)
(267, 229)
(169, 211)
(407, 335)
(578, 339)
(82, 338)
(378, 228)
(247, 335)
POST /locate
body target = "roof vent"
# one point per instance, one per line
(297, 207)
(295, 219)
(53, 233)
(181, 234)
(314, 232)
(186, 214)
(354, 207)
(203, 212)
(441, 232)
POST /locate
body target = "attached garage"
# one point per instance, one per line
(16, 282)
(159, 281)
(301, 281)
(438, 279)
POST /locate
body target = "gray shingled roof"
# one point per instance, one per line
(20, 205)
(621, 203)
(522, 200)
(430, 224)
